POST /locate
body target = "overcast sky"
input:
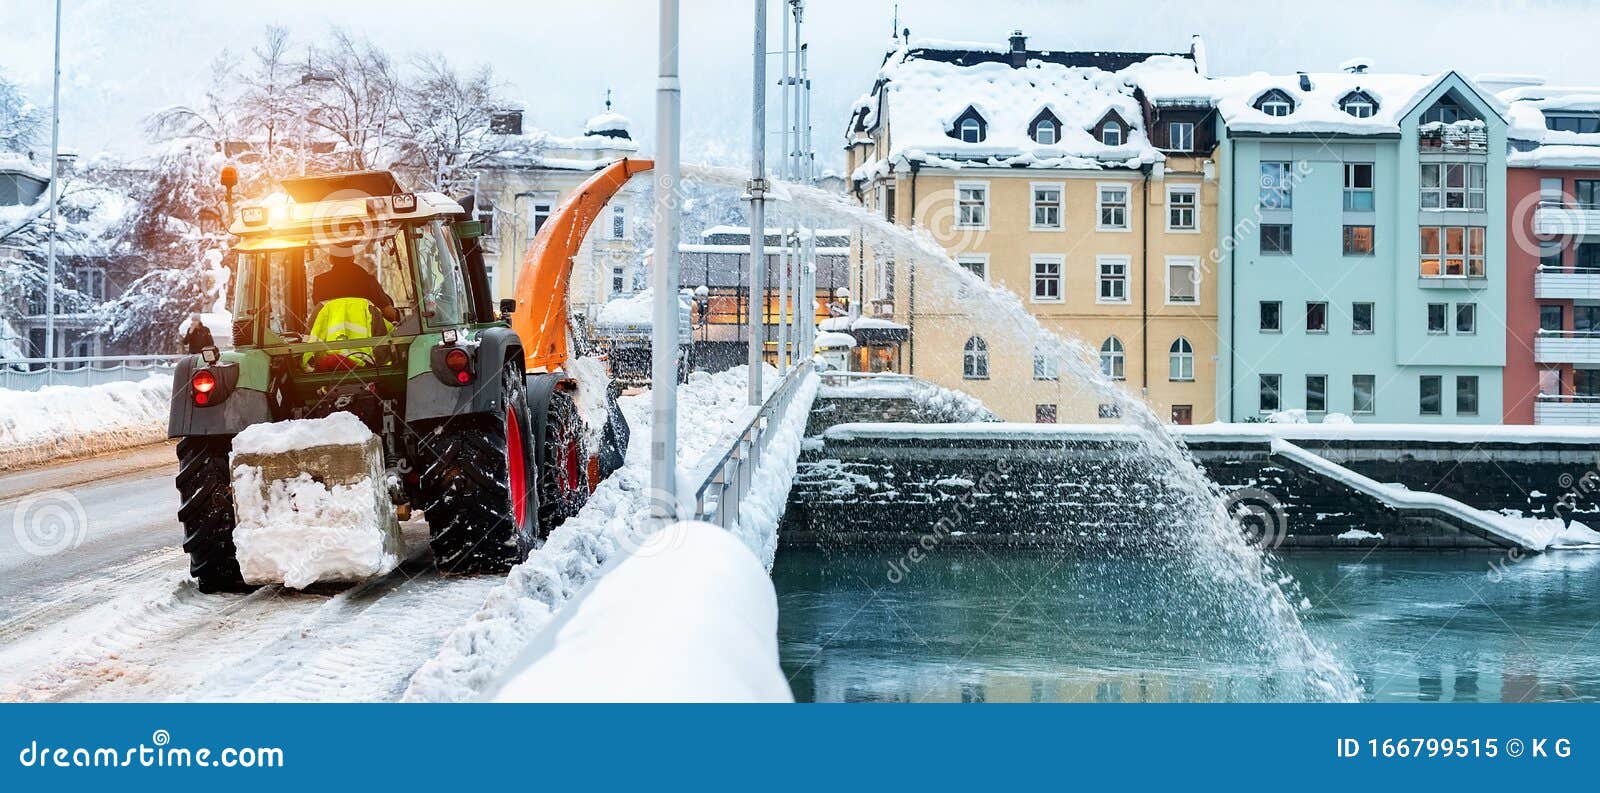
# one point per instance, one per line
(123, 60)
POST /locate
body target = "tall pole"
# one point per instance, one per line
(807, 297)
(756, 303)
(664, 347)
(55, 197)
(783, 236)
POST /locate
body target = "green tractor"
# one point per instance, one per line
(358, 296)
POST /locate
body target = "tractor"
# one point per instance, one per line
(355, 295)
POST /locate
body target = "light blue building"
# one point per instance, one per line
(1361, 262)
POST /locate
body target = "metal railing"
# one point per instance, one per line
(728, 475)
(32, 374)
(853, 378)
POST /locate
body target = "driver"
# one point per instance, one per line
(348, 279)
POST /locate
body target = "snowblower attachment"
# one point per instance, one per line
(312, 504)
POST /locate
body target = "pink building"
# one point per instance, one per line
(1552, 373)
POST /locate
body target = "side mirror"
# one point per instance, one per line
(508, 306)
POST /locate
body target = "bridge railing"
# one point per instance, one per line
(32, 374)
(727, 474)
(858, 378)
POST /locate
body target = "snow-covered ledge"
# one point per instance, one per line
(690, 616)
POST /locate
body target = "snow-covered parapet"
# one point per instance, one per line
(311, 503)
(690, 616)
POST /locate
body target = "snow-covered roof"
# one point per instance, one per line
(20, 163)
(610, 123)
(540, 149)
(926, 86)
(1551, 148)
(1318, 109)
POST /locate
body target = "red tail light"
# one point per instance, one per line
(203, 383)
(458, 361)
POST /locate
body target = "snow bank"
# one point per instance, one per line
(61, 422)
(611, 523)
(312, 504)
(691, 616)
(631, 310)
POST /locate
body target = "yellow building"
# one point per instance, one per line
(1081, 182)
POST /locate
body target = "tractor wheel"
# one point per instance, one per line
(563, 464)
(476, 486)
(206, 489)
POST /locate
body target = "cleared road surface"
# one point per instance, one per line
(96, 603)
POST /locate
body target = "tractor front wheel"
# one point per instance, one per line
(563, 463)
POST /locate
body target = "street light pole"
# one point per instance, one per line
(756, 301)
(55, 197)
(664, 347)
(783, 237)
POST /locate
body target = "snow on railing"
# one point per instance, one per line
(32, 374)
(726, 476)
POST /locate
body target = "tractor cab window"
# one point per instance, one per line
(444, 295)
(278, 278)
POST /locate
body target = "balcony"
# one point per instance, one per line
(1577, 221)
(1567, 410)
(1567, 284)
(1567, 347)
(1458, 138)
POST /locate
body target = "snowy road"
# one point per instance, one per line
(99, 607)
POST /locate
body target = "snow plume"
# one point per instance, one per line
(478, 653)
(59, 422)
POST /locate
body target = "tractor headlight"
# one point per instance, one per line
(403, 202)
(253, 216)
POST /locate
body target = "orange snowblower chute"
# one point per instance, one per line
(541, 316)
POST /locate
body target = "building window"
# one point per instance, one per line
(483, 212)
(977, 265)
(1113, 360)
(1111, 134)
(1044, 414)
(1358, 240)
(1275, 103)
(1430, 388)
(1452, 251)
(1436, 317)
(888, 203)
(1363, 397)
(1110, 410)
(1358, 104)
(1550, 382)
(1582, 123)
(1181, 208)
(1360, 318)
(1453, 185)
(1180, 136)
(1047, 279)
(885, 279)
(1550, 254)
(1113, 206)
(1586, 382)
(1588, 256)
(1271, 316)
(1466, 318)
(975, 359)
(972, 206)
(1045, 365)
(618, 276)
(1358, 194)
(1183, 415)
(1271, 386)
(1044, 133)
(1586, 319)
(1552, 319)
(1467, 395)
(1046, 207)
(971, 130)
(1444, 111)
(1113, 279)
(1180, 361)
(1316, 393)
(1316, 317)
(541, 213)
(619, 222)
(1550, 191)
(1183, 280)
(1277, 189)
(1277, 238)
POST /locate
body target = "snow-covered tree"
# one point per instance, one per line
(20, 120)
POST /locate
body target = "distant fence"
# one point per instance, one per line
(32, 374)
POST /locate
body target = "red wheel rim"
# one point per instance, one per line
(570, 467)
(514, 464)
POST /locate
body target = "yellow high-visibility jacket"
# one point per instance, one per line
(344, 319)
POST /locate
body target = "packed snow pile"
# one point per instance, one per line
(60, 422)
(613, 522)
(691, 616)
(935, 404)
(311, 503)
(631, 310)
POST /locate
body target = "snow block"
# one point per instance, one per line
(311, 503)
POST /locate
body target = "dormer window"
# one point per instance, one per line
(1111, 133)
(1447, 111)
(970, 127)
(1275, 103)
(1045, 129)
(1359, 104)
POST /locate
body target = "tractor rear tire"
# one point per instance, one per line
(205, 486)
(563, 465)
(476, 489)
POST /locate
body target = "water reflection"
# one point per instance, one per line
(1002, 626)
